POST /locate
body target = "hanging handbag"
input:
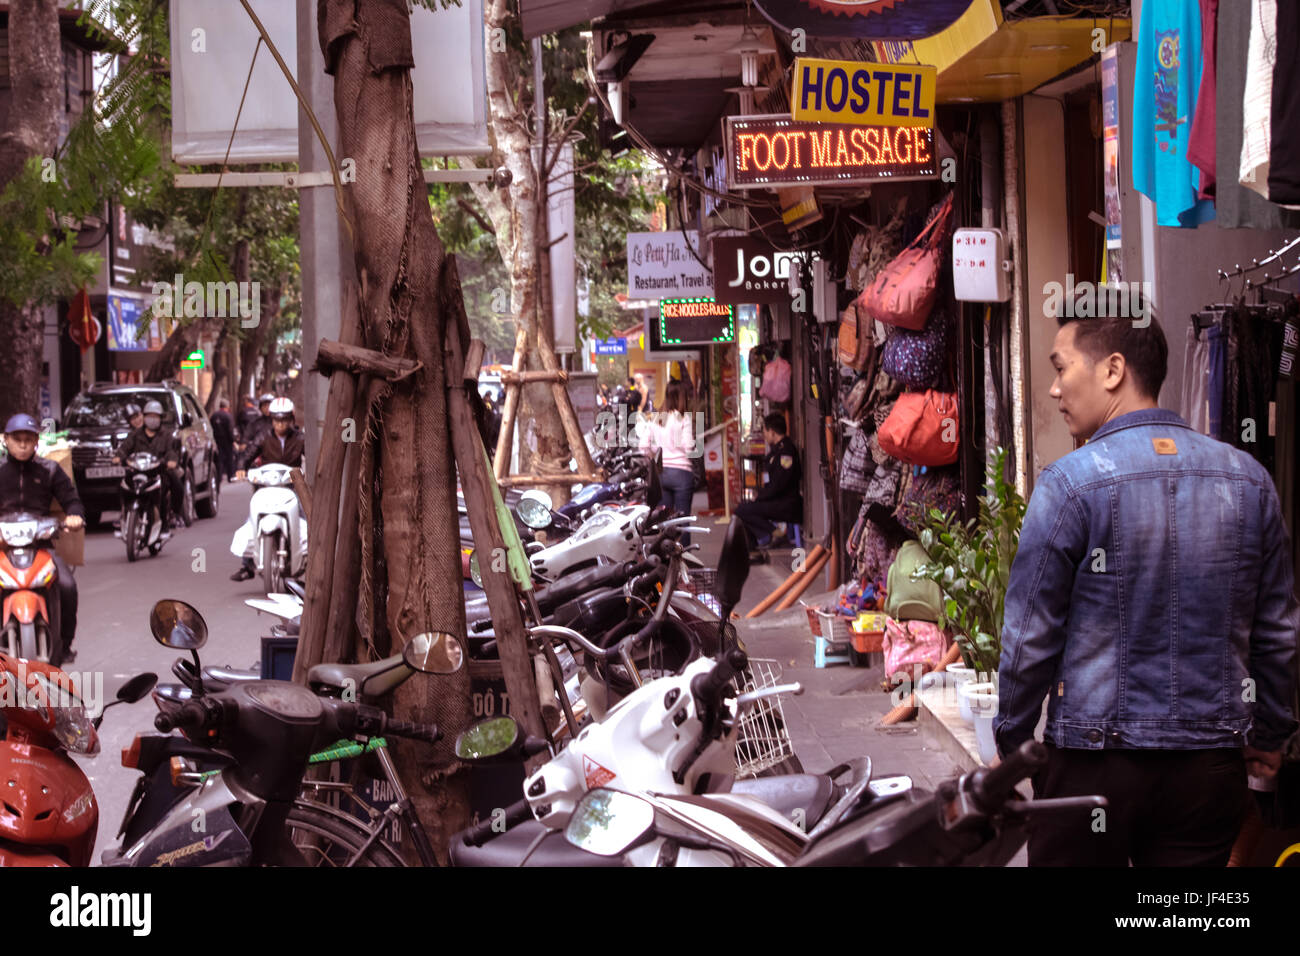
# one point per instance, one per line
(854, 468)
(903, 292)
(697, 469)
(856, 338)
(916, 358)
(776, 381)
(922, 428)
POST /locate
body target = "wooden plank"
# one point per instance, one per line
(475, 480)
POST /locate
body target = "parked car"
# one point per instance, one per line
(96, 424)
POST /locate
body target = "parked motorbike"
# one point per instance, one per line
(49, 816)
(29, 587)
(267, 731)
(141, 493)
(275, 535)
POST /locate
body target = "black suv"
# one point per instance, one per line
(96, 424)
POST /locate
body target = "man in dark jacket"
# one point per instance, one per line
(780, 499)
(253, 431)
(161, 443)
(223, 433)
(29, 483)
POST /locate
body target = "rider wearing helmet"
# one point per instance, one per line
(161, 442)
(134, 416)
(29, 482)
(284, 446)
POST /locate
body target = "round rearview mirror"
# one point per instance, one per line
(533, 513)
(434, 653)
(607, 822)
(474, 573)
(487, 738)
(176, 624)
(136, 687)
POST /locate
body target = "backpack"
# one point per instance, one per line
(910, 600)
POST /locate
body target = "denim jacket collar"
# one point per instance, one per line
(1144, 416)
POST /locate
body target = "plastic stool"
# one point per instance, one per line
(795, 533)
(820, 656)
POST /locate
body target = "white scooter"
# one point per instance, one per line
(275, 534)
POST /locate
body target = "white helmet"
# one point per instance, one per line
(281, 407)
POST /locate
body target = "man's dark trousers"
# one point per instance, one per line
(67, 596)
(760, 516)
(1167, 807)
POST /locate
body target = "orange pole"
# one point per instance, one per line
(813, 570)
(788, 583)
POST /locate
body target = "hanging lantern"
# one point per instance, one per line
(83, 327)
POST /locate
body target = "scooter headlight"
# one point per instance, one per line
(18, 534)
(143, 461)
(7, 580)
(72, 727)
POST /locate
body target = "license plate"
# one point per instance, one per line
(106, 471)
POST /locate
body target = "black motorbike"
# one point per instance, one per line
(143, 516)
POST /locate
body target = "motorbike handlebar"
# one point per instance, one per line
(429, 733)
(485, 830)
(991, 787)
(709, 688)
(193, 714)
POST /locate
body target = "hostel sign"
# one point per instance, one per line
(769, 152)
(874, 94)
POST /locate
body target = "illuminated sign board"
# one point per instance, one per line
(770, 152)
(869, 94)
(696, 322)
(193, 360)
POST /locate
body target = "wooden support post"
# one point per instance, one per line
(338, 356)
(326, 492)
(503, 603)
(303, 491)
(523, 378)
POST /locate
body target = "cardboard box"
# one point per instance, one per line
(70, 545)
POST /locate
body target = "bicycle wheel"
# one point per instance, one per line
(328, 838)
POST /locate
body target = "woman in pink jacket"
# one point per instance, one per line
(670, 431)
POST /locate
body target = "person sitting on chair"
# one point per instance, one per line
(779, 499)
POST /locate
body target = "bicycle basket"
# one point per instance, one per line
(763, 739)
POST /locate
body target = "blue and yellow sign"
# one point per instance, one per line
(863, 94)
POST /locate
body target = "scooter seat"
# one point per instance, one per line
(370, 680)
(806, 792)
(520, 846)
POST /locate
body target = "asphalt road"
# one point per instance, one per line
(114, 643)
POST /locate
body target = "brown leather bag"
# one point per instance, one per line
(903, 292)
(856, 338)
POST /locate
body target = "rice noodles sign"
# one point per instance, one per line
(768, 152)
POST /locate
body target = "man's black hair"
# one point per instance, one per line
(1140, 340)
(775, 422)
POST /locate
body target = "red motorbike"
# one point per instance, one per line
(29, 615)
(48, 812)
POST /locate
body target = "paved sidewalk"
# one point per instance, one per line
(836, 717)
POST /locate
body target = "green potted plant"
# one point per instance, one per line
(971, 563)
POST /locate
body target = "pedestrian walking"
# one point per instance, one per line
(223, 433)
(670, 431)
(1151, 602)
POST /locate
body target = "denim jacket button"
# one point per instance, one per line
(1094, 736)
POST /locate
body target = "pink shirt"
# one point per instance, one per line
(671, 432)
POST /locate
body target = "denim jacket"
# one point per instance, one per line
(1151, 598)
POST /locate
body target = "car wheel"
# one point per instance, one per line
(187, 500)
(207, 508)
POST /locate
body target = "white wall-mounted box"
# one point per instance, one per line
(980, 265)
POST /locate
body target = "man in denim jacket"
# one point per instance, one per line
(1152, 602)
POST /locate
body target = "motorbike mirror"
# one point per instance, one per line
(136, 687)
(488, 738)
(533, 513)
(607, 822)
(474, 573)
(176, 624)
(733, 565)
(434, 653)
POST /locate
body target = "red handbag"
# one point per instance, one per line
(903, 292)
(922, 428)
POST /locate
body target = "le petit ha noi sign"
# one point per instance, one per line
(767, 152)
(666, 265)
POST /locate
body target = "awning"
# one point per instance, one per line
(538, 17)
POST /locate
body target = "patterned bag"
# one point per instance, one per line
(854, 468)
(932, 488)
(909, 645)
(916, 358)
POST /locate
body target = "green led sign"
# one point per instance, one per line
(700, 321)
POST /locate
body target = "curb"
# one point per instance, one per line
(943, 720)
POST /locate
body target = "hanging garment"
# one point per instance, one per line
(1166, 79)
(1236, 206)
(1254, 348)
(1257, 106)
(1196, 374)
(1218, 353)
(1286, 366)
(1284, 150)
(1200, 143)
